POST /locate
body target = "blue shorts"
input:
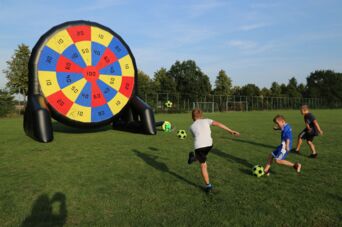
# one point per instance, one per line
(277, 154)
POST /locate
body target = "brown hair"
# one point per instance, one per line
(304, 107)
(196, 113)
(277, 117)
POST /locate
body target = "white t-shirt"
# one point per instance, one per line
(201, 132)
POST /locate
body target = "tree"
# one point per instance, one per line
(144, 83)
(275, 89)
(6, 103)
(190, 81)
(223, 84)
(163, 82)
(250, 90)
(292, 88)
(327, 84)
(265, 92)
(17, 70)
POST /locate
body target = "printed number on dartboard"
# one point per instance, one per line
(85, 51)
(97, 96)
(48, 82)
(112, 80)
(85, 96)
(74, 89)
(48, 59)
(67, 66)
(80, 113)
(101, 113)
(60, 102)
(60, 41)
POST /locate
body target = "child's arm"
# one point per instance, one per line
(287, 145)
(220, 125)
(318, 128)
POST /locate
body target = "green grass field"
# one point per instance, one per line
(114, 178)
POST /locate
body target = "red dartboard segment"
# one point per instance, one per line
(106, 59)
(127, 85)
(79, 33)
(60, 102)
(97, 98)
(66, 65)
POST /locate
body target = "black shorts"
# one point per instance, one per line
(306, 135)
(201, 153)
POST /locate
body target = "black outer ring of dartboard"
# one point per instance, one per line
(34, 88)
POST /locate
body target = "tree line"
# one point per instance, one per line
(187, 79)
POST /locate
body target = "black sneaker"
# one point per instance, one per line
(208, 188)
(191, 157)
(313, 155)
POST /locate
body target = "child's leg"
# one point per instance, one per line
(299, 143)
(268, 164)
(297, 166)
(285, 162)
(204, 172)
(312, 147)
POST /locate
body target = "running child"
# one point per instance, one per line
(203, 142)
(279, 155)
(311, 130)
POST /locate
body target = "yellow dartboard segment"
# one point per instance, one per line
(101, 36)
(117, 103)
(126, 64)
(84, 47)
(113, 81)
(60, 41)
(48, 82)
(80, 113)
(73, 90)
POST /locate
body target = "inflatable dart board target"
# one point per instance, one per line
(83, 74)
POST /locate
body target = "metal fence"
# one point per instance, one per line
(219, 103)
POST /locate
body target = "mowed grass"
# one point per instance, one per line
(115, 178)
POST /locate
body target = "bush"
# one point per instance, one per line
(7, 105)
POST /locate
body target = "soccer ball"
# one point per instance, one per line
(181, 134)
(168, 104)
(258, 171)
(167, 126)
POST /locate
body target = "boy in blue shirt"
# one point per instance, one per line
(283, 149)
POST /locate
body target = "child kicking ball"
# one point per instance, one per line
(280, 154)
(203, 142)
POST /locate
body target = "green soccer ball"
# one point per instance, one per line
(168, 104)
(167, 127)
(181, 134)
(258, 171)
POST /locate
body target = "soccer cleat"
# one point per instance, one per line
(191, 157)
(297, 166)
(313, 155)
(208, 188)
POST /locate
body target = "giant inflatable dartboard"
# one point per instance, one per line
(86, 72)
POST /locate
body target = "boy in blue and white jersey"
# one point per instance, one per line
(280, 154)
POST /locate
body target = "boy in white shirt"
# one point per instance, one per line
(203, 142)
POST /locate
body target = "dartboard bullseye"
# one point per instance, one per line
(86, 72)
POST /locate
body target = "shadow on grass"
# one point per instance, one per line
(161, 166)
(232, 158)
(42, 213)
(59, 127)
(253, 143)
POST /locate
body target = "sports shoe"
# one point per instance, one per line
(208, 188)
(191, 157)
(297, 166)
(313, 155)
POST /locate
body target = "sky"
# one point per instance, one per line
(254, 41)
